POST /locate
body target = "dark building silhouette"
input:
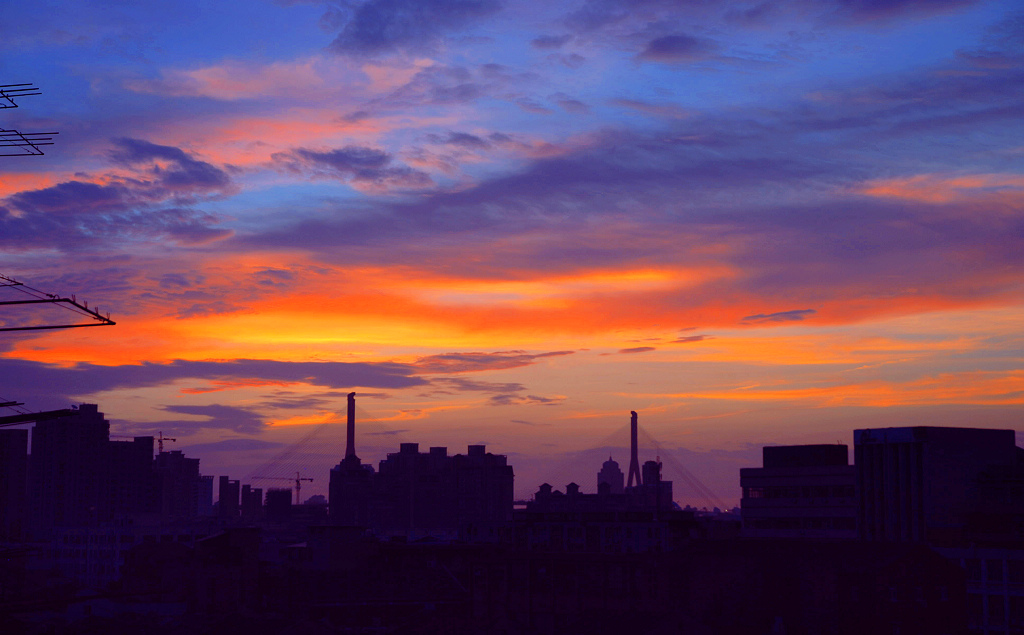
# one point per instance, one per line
(229, 494)
(961, 491)
(251, 502)
(13, 483)
(483, 493)
(67, 471)
(917, 484)
(655, 493)
(631, 522)
(133, 487)
(638, 519)
(430, 493)
(802, 491)
(612, 477)
(178, 484)
(279, 504)
(78, 477)
(414, 494)
(205, 496)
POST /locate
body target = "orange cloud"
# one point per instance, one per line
(14, 182)
(307, 420)
(971, 388)
(387, 77)
(346, 313)
(310, 78)
(219, 385)
(939, 188)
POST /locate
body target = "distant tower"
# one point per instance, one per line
(634, 462)
(351, 482)
(350, 440)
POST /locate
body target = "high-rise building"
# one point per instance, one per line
(13, 483)
(68, 471)
(467, 495)
(229, 494)
(252, 502)
(959, 490)
(132, 481)
(917, 484)
(78, 477)
(204, 495)
(279, 504)
(178, 486)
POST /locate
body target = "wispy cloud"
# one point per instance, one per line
(796, 315)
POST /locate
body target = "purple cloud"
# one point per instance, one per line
(49, 384)
(550, 41)
(569, 104)
(385, 26)
(688, 339)
(230, 445)
(598, 15)
(216, 416)
(155, 204)
(471, 362)
(460, 139)
(677, 48)
(524, 400)
(355, 164)
(73, 197)
(884, 10)
(638, 349)
(186, 173)
(782, 316)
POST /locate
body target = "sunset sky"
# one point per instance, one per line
(511, 223)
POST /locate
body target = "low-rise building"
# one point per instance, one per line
(801, 491)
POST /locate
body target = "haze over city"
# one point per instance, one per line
(513, 223)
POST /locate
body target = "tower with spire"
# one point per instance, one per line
(634, 460)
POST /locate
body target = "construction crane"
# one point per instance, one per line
(298, 483)
(160, 442)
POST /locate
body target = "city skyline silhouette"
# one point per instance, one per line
(750, 227)
(507, 225)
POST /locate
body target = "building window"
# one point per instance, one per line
(973, 569)
(975, 610)
(996, 610)
(994, 570)
(1016, 611)
(1016, 571)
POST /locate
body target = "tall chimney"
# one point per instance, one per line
(350, 441)
(634, 461)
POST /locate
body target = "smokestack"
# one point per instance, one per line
(634, 461)
(350, 441)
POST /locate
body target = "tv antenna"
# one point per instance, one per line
(39, 297)
(14, 143)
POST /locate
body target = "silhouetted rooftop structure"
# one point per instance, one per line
(803, 491)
